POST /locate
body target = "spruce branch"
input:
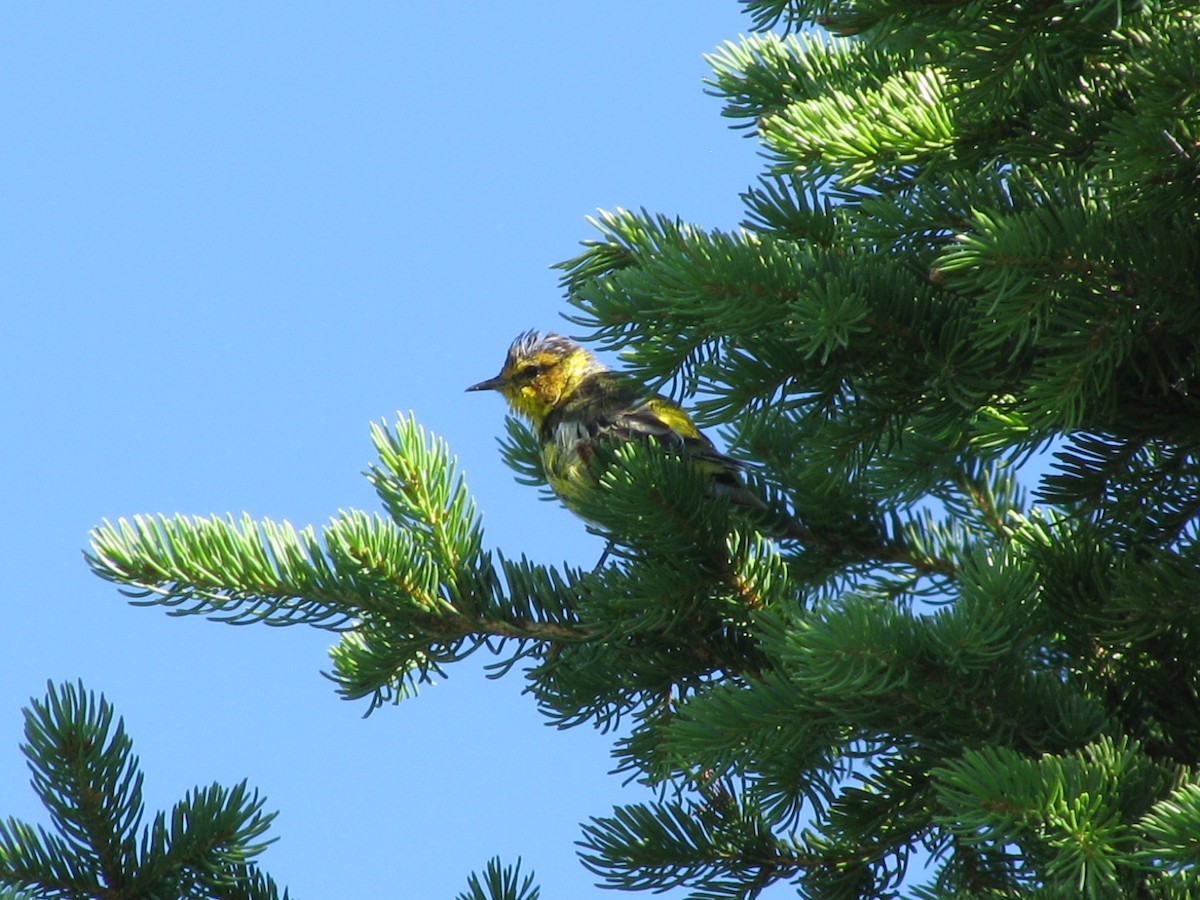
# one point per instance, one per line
(89, 781)
(719, 851)
(409, 592)
(1171, 828)
(500, 883)
(1072, 814)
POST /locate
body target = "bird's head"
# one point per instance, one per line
(540, 371)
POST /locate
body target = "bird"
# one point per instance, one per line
(573, 402)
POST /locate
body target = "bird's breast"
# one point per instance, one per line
(564, 457)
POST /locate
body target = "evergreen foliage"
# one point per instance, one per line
(978, 238)
(86, 775)
(500, 883)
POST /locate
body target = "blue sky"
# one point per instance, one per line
(232, 236)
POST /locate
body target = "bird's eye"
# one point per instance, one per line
(531, 371)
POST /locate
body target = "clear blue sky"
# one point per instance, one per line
(231, 236)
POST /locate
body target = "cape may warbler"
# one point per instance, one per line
(573, 402)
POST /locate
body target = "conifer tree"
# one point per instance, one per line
(977, 239)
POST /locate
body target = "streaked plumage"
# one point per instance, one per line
(572, 401)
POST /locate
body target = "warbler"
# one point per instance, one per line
(573, 402)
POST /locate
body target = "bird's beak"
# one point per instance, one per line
(492, 384)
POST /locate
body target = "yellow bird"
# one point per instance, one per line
(573, 402)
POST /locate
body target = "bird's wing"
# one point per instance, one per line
(659, 418)
(599, 412)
